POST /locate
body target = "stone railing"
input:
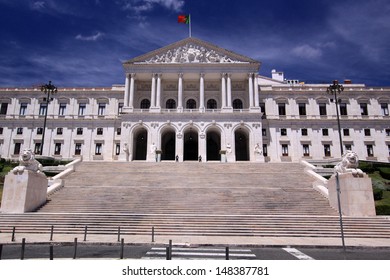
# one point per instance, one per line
(56, 182)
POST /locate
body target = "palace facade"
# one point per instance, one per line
(192, 100)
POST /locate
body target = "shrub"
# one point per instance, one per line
(382, 209)
(385, 172)
(378, 194)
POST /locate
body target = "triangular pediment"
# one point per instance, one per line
(191, 50)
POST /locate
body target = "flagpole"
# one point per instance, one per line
(189, 27)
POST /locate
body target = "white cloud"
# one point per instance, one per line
(95, 37)
(38, 5)
(307, 51)
(139, 6)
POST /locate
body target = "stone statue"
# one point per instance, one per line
(228, 148)
(257, 149)
(349, 164)
(127, 151)
(153, 149)
(27, 161)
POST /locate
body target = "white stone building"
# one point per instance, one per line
(193, 100)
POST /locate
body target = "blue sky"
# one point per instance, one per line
(84, 42)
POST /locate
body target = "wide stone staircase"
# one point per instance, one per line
(192, 199)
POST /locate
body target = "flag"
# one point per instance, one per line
(183, 19)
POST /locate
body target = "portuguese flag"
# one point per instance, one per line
(183, 19)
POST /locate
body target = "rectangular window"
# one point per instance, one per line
(363, 109)
(17, 148)
(118, 131)
(98, 149)
(262, 108)
(327, 150)
(82, 109)
(59, 131)
(19, 130)
(57, 149)
(322, 108)
(343, 109)
(42, 109)
(385, 109)
(23, 109)
(282, 109)
(388, 132)
(302, 109)
(304, 131)
(79, 131)
(4, 107)
(39, 130)
(1, 130)
(388, 147)
(284, 150)
(77, 149)
(370, 150)
(283, 131)
(306, 151)
(120, 108)
(348, 147)
(99, 131)
(264, 132)
(37, 148)
(325, 132)
(367, 132)
(265, 150)
(102, 109)
(62, 109)
(346, 132)
(117, 149)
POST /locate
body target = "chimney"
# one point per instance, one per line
(277, 75)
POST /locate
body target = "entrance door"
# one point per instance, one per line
(213, 145)
(140, 144)
(168, 145)
(191, 145)
(242, 145)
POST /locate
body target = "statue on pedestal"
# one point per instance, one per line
(349, 164)
(27, 161)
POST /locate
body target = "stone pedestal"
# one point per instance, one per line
(356, 195)
(23, 192)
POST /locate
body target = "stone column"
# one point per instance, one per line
(126, 99)
(256, 86)
(223, 90)
(158, 98)
(201, 92)
(153, 92)
(180, 93)
(250, 84)
(229, 91)
(132, 81)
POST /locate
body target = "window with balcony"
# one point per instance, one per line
(102, 109)
(282, 109)
(170, 104)
(211, 104)
(42, 109)
(343, 109)
(385, 109)
(23, 109)
(82, 109)
(237, 104)
(363, 109)
(302, 109)
(191, 104)
(322, 109)
(62, 109)
(145, 104)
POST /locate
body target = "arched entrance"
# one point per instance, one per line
(140, 143)
(168, 145)
(213, 145)
(241, 138)
(191, 145)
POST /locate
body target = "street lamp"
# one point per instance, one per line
(48, 89)
(337, 89)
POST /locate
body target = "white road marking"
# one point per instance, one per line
(298, 254)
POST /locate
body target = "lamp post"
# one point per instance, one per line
(335, 89)
(48, 89)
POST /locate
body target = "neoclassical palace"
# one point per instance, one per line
(195, 101)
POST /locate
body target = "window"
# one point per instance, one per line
(17, 148)
(265, 150)
(19, 130)
(118, 131)
(306, 151)
(99, 131)
(322, 108)
(191, 104)
(327, 150)
(98, 149)
(79, 131)
(363, 109)
(388, 147)
(304, 131)
(325, 132)
(145, 104)
(77, 149)
(39, 130)
(264, 132)
(237, 104)
(120, 108)
(211, 104)
(343, 109)
(388, 132)
(367, 132)
(3, 109)
(170, 104)
(1, 130)
(370, 150)
(37, 148)
(262, 108)
(23, 109)
(348, 147)
(284, 150)
(42, 109)
(302, 109)
(117, 149)
(82, 109)
(62, 109)
(346, 132)
(57, 149)
(283, 131)
(385, 109)
(59, 131)
(102, 109)
(282, 109)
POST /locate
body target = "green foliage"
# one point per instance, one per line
(382, 209)
(378, 194)
(384, 172)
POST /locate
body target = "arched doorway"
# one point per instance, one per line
(140, 143)
(241, 138)
(170, 104)
(191, 145)
(168, 145)
(213, 145)
(191, 104)
(211, 104)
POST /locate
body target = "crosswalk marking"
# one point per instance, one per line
(298, 254)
